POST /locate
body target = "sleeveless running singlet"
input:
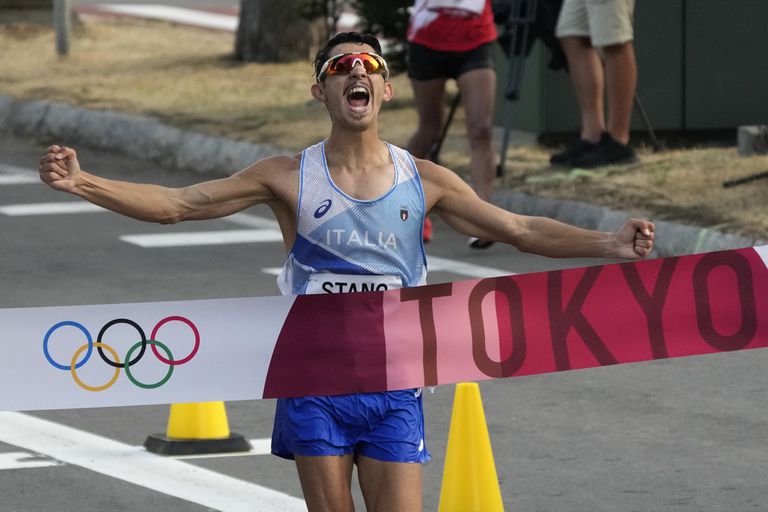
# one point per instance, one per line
(345, 244)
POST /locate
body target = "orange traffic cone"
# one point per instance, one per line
(470, 483)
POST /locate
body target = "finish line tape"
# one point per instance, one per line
(249, 348)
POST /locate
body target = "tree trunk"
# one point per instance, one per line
(273, 31)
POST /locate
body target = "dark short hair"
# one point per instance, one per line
(341, 38)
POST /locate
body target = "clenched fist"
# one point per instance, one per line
(59, 168)
(635, 239)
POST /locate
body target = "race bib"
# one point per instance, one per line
(350, 283)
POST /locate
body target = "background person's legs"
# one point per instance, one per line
(615, 75)
(620, 77)
(325, 482)
(620, 83)
(583, 26)
(588, 82)
(428, 95)
(478, 92)
(388, 486)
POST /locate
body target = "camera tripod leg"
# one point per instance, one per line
(647, 124)
(747, 179)
(434, 154)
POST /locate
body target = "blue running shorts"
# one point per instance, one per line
(386, 426)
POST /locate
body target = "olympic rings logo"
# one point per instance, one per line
(114, 362)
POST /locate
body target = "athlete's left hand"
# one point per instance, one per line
(634, 239)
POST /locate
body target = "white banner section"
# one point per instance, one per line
(189, 351)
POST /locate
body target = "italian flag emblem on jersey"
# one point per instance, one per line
(403, 214)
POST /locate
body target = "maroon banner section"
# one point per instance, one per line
(523, 325)
(330, 344)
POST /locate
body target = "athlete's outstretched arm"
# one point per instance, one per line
(455, 202)
(60, 169)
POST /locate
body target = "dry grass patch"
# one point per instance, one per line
(188, 78)
(674, 185)
(184, 76)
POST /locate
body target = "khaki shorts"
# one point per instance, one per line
(605, 22)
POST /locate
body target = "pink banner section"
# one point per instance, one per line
(523, 325)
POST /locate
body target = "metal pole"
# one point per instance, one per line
(61, 22)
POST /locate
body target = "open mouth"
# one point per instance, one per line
(358, 97)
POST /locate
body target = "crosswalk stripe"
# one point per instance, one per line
(18, 179)
(139, 467)
(463, 268)
(13, 175)
(177, 15)
(68, 207)
(234, 236)
(14, 169)
(251, 221)
(25, 460)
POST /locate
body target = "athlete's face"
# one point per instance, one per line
(353, 100)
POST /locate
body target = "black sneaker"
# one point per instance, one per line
(479, 243)
(565, 157)
(608, 151)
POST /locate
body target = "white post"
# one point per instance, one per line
(61, 22)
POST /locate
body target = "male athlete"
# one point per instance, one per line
(351, 210)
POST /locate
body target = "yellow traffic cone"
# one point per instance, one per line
(195, 428)
(469, 477)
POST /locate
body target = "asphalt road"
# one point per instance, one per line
(687, 434)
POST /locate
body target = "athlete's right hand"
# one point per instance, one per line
(59, 168)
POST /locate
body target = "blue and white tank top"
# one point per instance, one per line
(345, 244)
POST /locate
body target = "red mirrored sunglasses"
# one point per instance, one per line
(343, 64)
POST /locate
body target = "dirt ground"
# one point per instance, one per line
(188, 78)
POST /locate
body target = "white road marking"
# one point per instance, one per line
(463, 268)
(24, 460)
(68, 207)
(13, 175)
(14, 169)
(139, 467)
(251, 221)
(233, 236)
(18, 179)
(177, 15)
(436, 263)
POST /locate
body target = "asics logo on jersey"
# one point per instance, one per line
(323, 208)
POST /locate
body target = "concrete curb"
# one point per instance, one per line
(137, 136)
(672, 238)
(148, 139)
